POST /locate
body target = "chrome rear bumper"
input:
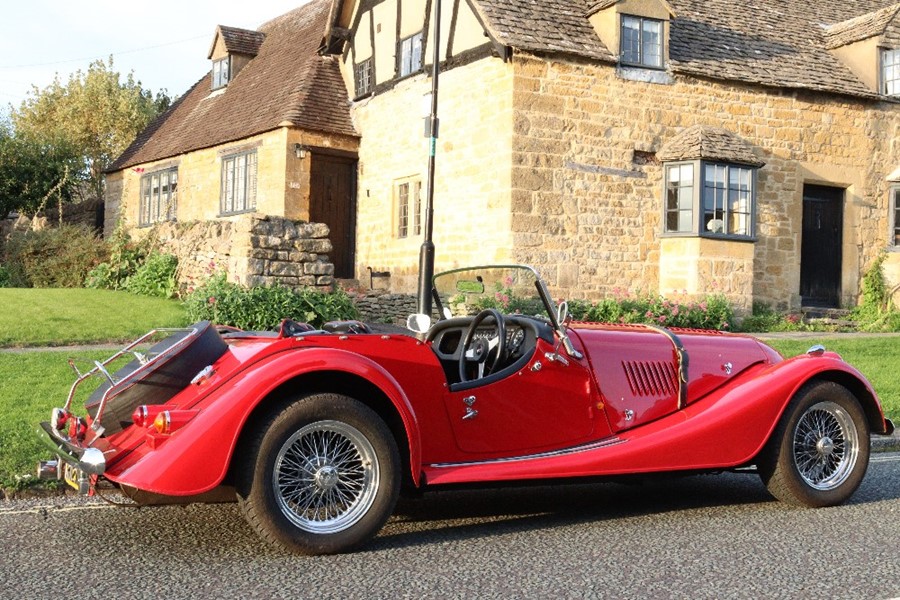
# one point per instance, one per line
(87, 461)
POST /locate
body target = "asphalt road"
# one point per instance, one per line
(697, 537)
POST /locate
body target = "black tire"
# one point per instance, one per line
(320, 477)
(819, 452)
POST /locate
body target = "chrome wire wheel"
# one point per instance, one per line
(326, 477)
(825, 446)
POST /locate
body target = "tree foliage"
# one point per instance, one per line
(34, 171)
(98, 113)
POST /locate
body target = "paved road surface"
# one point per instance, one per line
(698, 537)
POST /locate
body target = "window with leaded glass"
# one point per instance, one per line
(409, 208)
(679, 198)
(158, 197)
(362, 75)
(721, 202)
(727, 200)
(641, 42)
(890, 72)
(238, 183)
(221, 72)
(410, 55)
(895, 216)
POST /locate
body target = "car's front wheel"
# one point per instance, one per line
(322, 476)
(819, 451)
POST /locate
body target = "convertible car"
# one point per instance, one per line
(315, 432)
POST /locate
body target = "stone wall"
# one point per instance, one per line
(587, 192)
(253, 250)
(379, 306)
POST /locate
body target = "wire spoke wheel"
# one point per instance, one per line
(825, 446)
(819, 451)
(325, 477)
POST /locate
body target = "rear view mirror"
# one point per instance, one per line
(420, 323)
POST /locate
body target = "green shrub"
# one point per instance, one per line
(263, 308)
(155, 277)
(765, 318)
(4, 277)
(53, 257)
(125, 256)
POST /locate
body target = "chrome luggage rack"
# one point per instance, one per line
(147, 361)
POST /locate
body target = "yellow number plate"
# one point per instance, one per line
(71, 475)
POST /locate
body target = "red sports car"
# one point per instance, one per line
(317, 432)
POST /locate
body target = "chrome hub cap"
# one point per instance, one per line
(325, 477)
(826, 446)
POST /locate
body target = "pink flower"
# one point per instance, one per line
(138, 169)
(212, 300)
(662, 319)
(508, 281)
(649, 314)
(703, 306)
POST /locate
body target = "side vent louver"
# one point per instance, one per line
(651, 378)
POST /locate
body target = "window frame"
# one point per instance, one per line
(364, 67)
(894, 218)
(699, 208)
(242, 182)
(889, 86)
(218, 81)
(150, 208)
(641, 61)
(402, 63)
(407, 207)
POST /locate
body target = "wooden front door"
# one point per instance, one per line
(332, 200)
(820, 252)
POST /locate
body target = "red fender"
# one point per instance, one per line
(195, 458)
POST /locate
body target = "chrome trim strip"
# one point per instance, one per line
(574, 450)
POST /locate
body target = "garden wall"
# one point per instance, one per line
(253, 250)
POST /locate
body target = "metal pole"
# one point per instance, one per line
(426, 253)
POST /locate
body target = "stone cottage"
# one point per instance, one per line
(681, 145)
(266, 133)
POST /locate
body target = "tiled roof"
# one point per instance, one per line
(709, 143)
(860, 28)
(239, 41)
(768, 42)
(287, 82)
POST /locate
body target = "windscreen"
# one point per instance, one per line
(509, 289)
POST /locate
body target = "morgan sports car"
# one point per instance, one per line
(316, 432)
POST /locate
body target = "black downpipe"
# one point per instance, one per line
(426, 252)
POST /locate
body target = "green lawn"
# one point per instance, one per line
(56, 317)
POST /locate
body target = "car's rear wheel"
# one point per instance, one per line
(320, 477)
(819, 451)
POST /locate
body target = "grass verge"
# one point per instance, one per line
(58, 317)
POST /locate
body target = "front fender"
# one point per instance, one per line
(195, 458)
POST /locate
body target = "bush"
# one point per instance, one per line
(4, 277)
(53, 257)
(765, 318)
(263, 308)
(125, 257)
(155, 277)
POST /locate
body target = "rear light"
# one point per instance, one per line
(169, 421)
(144, 416)
(58, 418)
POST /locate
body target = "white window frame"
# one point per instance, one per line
(408, 207)
(221, 72)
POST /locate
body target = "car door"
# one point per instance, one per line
(546, 405)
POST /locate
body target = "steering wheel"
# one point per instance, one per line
(478, 351)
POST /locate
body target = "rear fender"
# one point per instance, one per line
(195, 458)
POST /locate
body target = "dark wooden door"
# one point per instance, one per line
(820, 259)
(332, 200)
